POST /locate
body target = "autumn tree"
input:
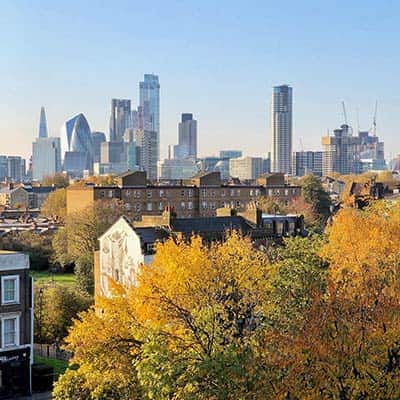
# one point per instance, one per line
(58, 180)
(55, 205)
(190, 327)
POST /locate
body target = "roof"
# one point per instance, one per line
(209, 224)
(7, 190)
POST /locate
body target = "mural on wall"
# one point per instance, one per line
(121, 256)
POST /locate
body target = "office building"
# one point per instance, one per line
(246, 168)
(307, 162)
(98, 138)
(188, 136)
(341, 152)
(372, 152)
(146, 142)
(149, 101)
(228, 154)
(46, 157)
(16, 318)
(77, 146)
(120, 119)
(176, 169)
(12, 168)
(281, 125)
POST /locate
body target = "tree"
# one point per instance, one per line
(190, 328)
(37, 246)
(55, 308)
(58, 180)
(299, 206)
(314, 194)
(55, 205)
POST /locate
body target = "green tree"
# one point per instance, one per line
(314, 193)
(55, 308)
(55, 205)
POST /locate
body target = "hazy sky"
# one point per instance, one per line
(217, 59)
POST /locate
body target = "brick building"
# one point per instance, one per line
(199, 196)
(16, 324)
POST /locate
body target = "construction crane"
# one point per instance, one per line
(373, 129)
(344, 113)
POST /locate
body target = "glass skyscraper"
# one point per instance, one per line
(149, 99)
(120, 120)
(77, 146)
(281, 125)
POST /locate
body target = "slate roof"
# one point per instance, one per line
(209, 224)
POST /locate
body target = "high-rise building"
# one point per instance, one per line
(372, 152)
(146, 141)
(281, 125)
(77, 146)
(177, 169)
(341, 152)
(188, 135)
(46, 152)
(46, 157)
(98, 138)
(307, 162)
(43, 133)
(149, 100)
(121, 119)
(246, 168)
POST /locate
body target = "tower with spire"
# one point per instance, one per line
(43, 124)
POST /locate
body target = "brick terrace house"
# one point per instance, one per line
(16, 324)
(199, 196)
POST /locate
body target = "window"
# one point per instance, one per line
(161, 193)
(286, 192)
(223, 193)
(270, 192)
(149, 207)
(213, 193)
(182, 192)
(190, 205)
(127, 206)
(190, 192)
(149, 194)
(204, 192)
(204, 205)
(238, 192)
(110, 194)
(10, 331)
(232, 192)
(251, 192)
(294, 191)
(138, 207)
(257, 192)
(127, 193)
(10, 289)
(161, 206)
(182, 205)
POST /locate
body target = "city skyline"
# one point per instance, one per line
(228, 70)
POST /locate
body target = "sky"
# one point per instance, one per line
(216, 59)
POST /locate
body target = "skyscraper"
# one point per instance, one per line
(121, 119)
(188, 135)
(46, 152)
(149, 99)
(77, 146)
(43, 133)
(281, 125)
(146, 141)
(98, 138)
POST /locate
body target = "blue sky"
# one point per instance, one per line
(216, 59)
